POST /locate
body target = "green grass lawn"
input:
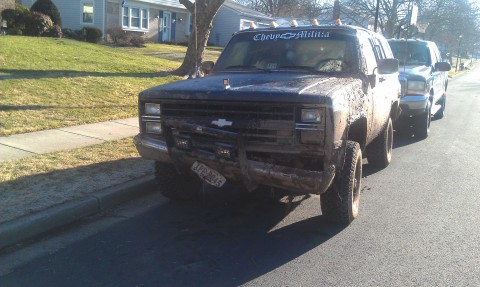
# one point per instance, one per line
(50, 83)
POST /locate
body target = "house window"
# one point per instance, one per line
(126, 16)
(189, 24)
(144, 19)
(87, 12)
(135, 18)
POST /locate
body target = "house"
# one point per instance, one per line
(157, 20)
(233, 17)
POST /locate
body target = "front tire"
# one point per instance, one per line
(174, 185)
(379, 152)
(421, 125)
(341, 201)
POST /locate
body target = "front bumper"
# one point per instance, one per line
(250, 172)
(412, 105)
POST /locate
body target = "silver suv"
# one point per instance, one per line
(424, 80)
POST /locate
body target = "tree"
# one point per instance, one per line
(287, 8)
(203, 12)
(48, 8)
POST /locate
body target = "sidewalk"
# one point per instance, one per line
(23, 145)
(29, 211)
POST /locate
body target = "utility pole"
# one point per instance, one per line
(458, 52)
(376, 16)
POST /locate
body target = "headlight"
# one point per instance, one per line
(152, 109)
(153, 128)
(416, 87)
(312, 115)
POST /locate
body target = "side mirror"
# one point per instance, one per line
(207, 67)
(388, 66)
(443, 66)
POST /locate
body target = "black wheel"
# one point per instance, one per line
(174, 185)
(421, 124)
(379, 152)
(340, 202)
(441, 112)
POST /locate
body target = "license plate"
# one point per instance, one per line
(209, 175)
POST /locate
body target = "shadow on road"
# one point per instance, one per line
(221, 243)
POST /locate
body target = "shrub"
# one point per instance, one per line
(92, 34)
(14, 31)
(15, 17)
(48, 8)
(137, 41)
(118, 36)
(36, 24)
(73, 34)
(54, 32)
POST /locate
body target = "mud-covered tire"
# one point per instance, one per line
(379, 151)
(174, 185)
(440, 114)
(421, 124)
(341, 201)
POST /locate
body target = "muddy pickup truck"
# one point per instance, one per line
(286, 107)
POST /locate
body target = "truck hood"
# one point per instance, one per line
(414, 71)
(261, 86)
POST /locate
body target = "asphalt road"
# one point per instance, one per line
(418, 226)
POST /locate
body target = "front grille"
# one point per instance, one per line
(258, 123)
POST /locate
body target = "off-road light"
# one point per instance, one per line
(154, 128)
(224, 151)
(152, 109)
(416, 87)
(311, 136)
(183, 142)
(312, 115)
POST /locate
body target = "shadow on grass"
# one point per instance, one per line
(12, 74)
(8, 108)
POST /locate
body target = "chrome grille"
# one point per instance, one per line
(258, 123)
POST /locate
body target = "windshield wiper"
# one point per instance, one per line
(246, 67)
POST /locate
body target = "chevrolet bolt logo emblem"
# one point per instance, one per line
(222, 123)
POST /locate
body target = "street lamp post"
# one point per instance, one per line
(458, 52)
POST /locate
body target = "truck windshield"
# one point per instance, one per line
(410, 53)
(309, 50)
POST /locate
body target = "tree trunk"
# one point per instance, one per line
(202, 19)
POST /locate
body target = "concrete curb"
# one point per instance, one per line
(28, 226)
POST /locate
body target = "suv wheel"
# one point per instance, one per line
(379, 152)
(174, 185)
(340, 202)
(421, 125)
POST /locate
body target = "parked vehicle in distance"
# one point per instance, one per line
(287, 107)
(424, 80)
